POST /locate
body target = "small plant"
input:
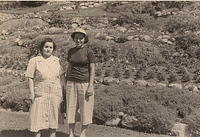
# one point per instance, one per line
(193, 122)
(117, 74)
(160, 77)
(185, 77)
(127, 73)
(149, 75)
(107, 73)
(98, 72)
(172, 78)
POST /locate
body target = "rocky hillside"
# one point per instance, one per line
(139, 44)
(156, 41)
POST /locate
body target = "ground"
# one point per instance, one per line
(15, 124)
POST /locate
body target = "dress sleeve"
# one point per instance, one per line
(31, 68)
(91, 56)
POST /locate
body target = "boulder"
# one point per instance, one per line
(122, 29)
(84, 7)
(141, 83)
(113, 122)
(128, 121)
(164, 40)
(160, 37)
(169, 42)
(97, 4)
(136, 39)
(5, 32)
(195, 89)
(109, 38)
(146, 38)
(166, 37)
(98, 80)
(110, 80)
(160, 84)
(151, 84)
(176, 54)
(74, 25)
(121, 114)
(189, 87)
(130, 38)
(180, 129)
(126, 81)
(175, 85)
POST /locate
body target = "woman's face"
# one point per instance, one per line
(47, 49)
(79, 40)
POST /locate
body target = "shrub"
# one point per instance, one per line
(181, 23)
(134, 101)
(32, 3)
(193, 122)
(107, 73)
(184, 42)
(56, 20)
(153, 118)
(98, 72)
(116, 74)
(107, 104)
(127, 73)
(172, 78)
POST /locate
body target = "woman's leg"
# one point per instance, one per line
(38, 134)
(52, 132)
(71, 130)
(83, 130)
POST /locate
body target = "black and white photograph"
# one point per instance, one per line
(72, 68)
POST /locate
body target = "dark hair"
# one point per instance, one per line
(86, 37)
(41, 46)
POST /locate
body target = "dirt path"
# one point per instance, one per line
(14, 124)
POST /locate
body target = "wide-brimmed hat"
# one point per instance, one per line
(82, 31)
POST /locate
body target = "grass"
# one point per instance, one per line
(16, 124)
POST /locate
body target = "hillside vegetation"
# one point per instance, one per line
(139, 44)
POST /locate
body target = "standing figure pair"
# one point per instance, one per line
(47, 79)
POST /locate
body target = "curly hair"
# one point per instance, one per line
(47, 40)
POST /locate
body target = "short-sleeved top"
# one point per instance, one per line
(80, 59)
(42, 69)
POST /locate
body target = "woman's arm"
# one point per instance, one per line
(90, 89)
(92, 73)
(31, 88)
(68, 70)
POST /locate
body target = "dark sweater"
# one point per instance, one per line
(80, 59)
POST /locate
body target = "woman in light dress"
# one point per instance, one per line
(80, 79)
(45, 78)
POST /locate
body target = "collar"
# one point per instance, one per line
(51, 58)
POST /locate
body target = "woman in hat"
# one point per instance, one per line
(79, 87)
(45, 75)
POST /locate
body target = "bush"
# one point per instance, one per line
(153, 118)
(184, 42)
(181, 23)
(107, 104)
(134, 101)
(193, 122)
(33, 3)
(57, 20)
(14, 94)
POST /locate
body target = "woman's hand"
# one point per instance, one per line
(90, 91)
(31, 87)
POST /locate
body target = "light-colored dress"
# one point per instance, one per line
(44, 111)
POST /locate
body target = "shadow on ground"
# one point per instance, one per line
(26, 133)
